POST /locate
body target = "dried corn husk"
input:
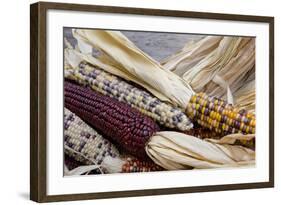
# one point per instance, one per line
(131, 60)
(236, 139)
(203, 72)
(216, 65)
(238, 70)
(73, 58)
(83, 169)
(190, 55)
(246, 97)
(173, 150)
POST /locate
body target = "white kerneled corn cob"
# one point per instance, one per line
(113, 86)
(84, 143)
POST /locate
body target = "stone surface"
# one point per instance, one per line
(157, 45)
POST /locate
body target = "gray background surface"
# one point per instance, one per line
(157, 45)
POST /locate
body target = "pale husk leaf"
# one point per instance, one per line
(142, 67)
(232, 138)
(174, 150)
(73, 58)
(190, 55)
(232, 59)
(203, 72)
(246, 97)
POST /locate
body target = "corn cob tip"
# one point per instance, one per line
(113, 165)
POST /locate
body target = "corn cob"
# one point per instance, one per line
(92, 150)
(202, 133)
(217, 115)
(113, 86)
(205, 133)
(83, 143)
(246, 143)
(71, 163)
(135, 165)
(124, 125)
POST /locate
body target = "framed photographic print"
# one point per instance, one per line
(134, 102)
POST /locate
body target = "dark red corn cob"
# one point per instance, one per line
(124, 125)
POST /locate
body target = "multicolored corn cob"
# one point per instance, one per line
(218, 115)
(124, 125)
(113, 86)
(205, 133)
(247, 143)
(83, 143)
(135, 165)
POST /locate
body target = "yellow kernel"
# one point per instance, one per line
(218, 124)
(241, 126)
(219, 117)
(216, 107)
(226, 127)
(203, 110)
(253, 123)
(193, 98)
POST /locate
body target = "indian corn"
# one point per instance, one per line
(135, 165)
(84, 146)
(71, 163)
(202, 133)
(218, 115)
(124, 125)
(205, 133)
(113, 86)
(83, 143)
